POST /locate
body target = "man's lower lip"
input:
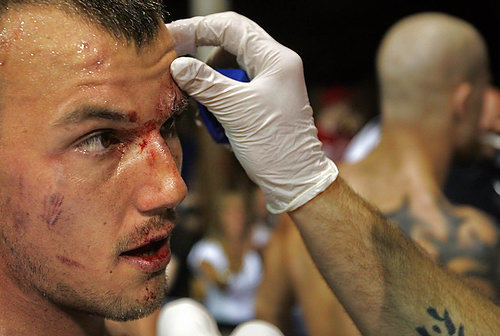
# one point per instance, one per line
(152, 263)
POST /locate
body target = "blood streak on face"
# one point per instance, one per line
(69, 262)
(150, 295)
(143, 133)
(152, 158)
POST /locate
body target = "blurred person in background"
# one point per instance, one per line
(474, 181)
(431, 104)
(186, 233)
(478, 183)
(263, 221)
(226, 267)
(490, 122)
(341, 114)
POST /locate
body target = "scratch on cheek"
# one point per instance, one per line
(52, 209)
(69, 262)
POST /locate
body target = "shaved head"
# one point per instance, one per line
(423, 59)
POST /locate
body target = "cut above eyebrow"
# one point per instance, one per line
(181, 105)
(88, 112)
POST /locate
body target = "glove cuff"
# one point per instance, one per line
(322, 181)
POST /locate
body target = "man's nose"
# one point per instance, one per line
(161, 185)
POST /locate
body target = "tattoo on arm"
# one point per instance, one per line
(438, 329)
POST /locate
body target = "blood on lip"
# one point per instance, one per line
(149, 263)
(160, 254)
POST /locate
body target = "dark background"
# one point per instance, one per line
(338, 39)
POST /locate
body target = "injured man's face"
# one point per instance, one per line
(89, 164)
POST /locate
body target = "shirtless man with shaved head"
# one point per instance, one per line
(433, 72)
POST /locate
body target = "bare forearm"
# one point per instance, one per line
(385, 283)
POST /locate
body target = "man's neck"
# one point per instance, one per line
(423, 153)
(26, 312)
(408, 162)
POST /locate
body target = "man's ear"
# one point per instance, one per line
(460, 97)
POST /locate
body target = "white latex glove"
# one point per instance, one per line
(268, 121)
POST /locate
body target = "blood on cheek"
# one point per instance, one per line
(149, 142)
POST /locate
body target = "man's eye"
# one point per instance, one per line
(98, 142)
(168, 129)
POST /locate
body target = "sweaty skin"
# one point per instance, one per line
(89, 168)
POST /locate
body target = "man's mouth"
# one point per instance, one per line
(147, 250)
(150, 257)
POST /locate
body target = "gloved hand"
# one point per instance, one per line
(268, 121)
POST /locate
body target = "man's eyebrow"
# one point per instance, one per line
(89, 112)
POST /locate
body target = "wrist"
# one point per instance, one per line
(301, 187)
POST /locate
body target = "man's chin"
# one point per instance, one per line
(143, 307)
(142, 303)
(135, 313)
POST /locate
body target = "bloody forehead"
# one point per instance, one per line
(170, 102)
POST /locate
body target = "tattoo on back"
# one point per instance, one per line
(484, 255)
(443, 326)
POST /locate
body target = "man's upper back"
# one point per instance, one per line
(460, 238)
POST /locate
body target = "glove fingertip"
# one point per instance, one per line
(184, 70)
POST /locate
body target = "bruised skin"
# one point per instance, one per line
(69, 209)
(52, 209)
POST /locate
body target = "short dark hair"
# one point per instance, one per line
(136, 21)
